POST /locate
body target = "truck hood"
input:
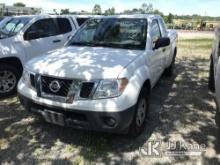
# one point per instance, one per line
(83, 62)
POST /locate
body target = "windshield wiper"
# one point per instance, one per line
(83, 44)
(112, 45)
(108, 44)
(117, 45)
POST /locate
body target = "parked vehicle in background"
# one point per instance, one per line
(25, 37)
(214, 72)
(1, 18)
(103, 78)
(83, 18)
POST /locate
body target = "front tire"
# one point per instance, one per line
(9, 77)
(211, 77)
(142, 109)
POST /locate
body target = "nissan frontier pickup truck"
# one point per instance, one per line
(102, 79)
(214, 72)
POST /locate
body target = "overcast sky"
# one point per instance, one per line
(202, 7)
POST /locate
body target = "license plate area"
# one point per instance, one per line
(53, 117)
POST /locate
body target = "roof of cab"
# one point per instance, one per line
(149, 16)
(144, 16)
(86, 16)
(39, 16)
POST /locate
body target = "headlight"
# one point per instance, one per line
(26, 77)
(110, 88)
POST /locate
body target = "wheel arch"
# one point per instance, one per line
(13, 61)
(147, 85)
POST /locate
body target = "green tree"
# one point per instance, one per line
(157, 12)
(65, 11)
(170, 18)
(127, 12)
(19, 4)
(110, 11)
(55, 11)
(135, 10)
(146, 8)
(97, 9)
(165, 19)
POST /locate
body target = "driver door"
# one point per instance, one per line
(156, 68)
(40, 37)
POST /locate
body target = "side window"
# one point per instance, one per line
(64, 25)
(163, 26)
(81, 20)
(88, 31)
(41, 29)
(155, 32)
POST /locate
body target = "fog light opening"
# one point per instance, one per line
(110, 121)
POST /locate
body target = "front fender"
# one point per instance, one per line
(136, 82)
(10, 48)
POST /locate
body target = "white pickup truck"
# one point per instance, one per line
(102, 79)
(25, 37)
(214, 72)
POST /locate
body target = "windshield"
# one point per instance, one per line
(13, 25)
(128, 33)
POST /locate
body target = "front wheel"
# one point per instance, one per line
(9, 77)
(142, 109)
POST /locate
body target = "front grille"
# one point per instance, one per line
(64, 86)
(68, 89)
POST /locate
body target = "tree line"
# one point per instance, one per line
(145, 8)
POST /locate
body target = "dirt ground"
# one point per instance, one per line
(182, 109)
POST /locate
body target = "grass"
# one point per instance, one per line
(197, 44)
(197, 40)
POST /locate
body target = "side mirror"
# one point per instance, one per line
(162, 42)
(31, 35)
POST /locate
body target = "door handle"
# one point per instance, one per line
(56, 41)
(164, 49)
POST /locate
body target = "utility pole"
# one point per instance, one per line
(2, 9)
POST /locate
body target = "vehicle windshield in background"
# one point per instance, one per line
(128, 33)
(13, 26)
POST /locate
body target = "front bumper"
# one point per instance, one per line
(113, 122)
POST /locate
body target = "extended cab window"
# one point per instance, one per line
(41, 29)
(64, 25)
(155, 32)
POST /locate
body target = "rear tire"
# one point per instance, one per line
(169, 71)
(211, 77)
(142, 109)
(9, 77)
